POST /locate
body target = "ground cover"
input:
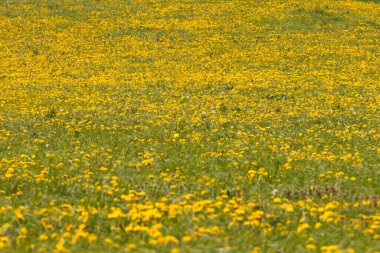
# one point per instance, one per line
(189, 126)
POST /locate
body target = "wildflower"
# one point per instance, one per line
(116, 213)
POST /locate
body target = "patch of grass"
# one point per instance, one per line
(197, 126)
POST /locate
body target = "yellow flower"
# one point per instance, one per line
(43, 237)
(255, 250)
(108, 240)
(103, 168)
(4, 242)
(19, 214)
(330, 249)
(301, 227)
(147, 162)
(116, 213)
(175, 250)
(163, 240)
(287, 207)
(311, 247)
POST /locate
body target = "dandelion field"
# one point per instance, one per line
(189, 126)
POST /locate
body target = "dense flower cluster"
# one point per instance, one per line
(189, 126)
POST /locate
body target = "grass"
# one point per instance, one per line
(197, 126)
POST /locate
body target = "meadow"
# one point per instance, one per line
(189, 126)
